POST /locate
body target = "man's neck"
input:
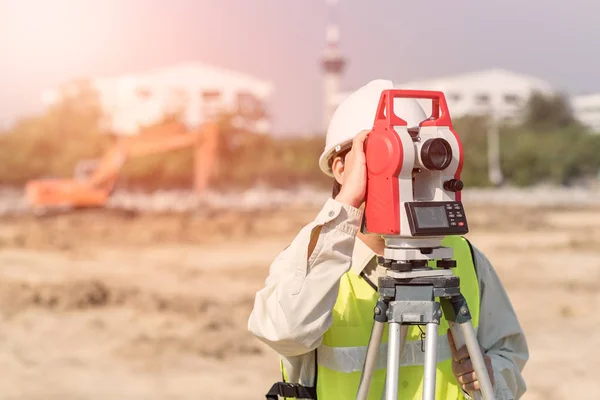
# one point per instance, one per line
(375, 242)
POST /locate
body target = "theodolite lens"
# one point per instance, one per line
(436, 154)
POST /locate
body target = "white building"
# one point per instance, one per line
(494, 91)
(195, 91)
(586, 109)
(498, 91)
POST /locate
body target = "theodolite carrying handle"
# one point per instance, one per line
(440, 116)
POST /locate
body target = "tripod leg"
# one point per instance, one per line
(477, 359)
(459, 342)
(370, 360)
(457, 312)
(403, 333)
(393, 361)
(430, 367)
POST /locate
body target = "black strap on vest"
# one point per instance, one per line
(295, 390)
(472, 253)
(291, 390)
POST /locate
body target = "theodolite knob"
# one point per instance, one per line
(454, 185)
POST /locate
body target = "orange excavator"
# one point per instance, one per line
(95, 189)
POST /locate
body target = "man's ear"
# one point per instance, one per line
(337, 167)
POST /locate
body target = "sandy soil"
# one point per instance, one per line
(107, 305)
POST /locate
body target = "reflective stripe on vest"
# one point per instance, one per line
(343, 348)
(352, 359)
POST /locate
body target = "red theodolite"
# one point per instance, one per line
(413, 201)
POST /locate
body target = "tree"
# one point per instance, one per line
(52, 143)
(472, 133)
(548, 112)
(548, 146)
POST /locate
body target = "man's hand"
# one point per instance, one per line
(462, 367)
(354, 181)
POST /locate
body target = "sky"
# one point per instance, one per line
(44, 43)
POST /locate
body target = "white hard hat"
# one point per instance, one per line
(357, 113)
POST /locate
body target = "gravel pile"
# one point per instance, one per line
(256, 198)
(12, 201)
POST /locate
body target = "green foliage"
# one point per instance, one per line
(171, 170)
(472, 133)
(548, 147)
(279, 163)
(548, 112)
(51, 144)
(244, 159)
(558, 156)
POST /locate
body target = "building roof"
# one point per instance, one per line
(490, 80)
(585, 100)
(136, 99)
(193, 76)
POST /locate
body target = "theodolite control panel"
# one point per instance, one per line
(435, 218)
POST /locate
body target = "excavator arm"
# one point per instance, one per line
(97, 187)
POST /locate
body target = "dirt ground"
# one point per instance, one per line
(107, 305)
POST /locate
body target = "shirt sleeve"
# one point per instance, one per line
(500, 333)
(294, 308)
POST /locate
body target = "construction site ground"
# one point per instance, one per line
(116, 305)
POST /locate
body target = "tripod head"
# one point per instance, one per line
(413, 197)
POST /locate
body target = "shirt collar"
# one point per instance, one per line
(361, 256)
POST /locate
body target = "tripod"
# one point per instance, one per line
(408, 295)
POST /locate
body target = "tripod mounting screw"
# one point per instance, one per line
(464, 311)
(382, 261)
(377, 310)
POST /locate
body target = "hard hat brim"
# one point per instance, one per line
(327, 155)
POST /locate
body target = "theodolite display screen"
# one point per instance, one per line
(431, 217)
(436, 218)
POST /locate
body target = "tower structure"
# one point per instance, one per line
(333, 63)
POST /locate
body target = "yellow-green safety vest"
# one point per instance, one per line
(341, 355)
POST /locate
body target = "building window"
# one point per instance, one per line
(211, 96)
(249, 106)
(211, 100)
(482, 99)
(454, 97)
(143, 93)
(512, 99)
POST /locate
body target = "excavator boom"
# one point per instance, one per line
(95, 190)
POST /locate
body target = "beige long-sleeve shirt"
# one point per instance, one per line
(294, 309)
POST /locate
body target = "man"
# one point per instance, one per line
(316, 307)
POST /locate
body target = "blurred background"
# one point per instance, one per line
(134, 235)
